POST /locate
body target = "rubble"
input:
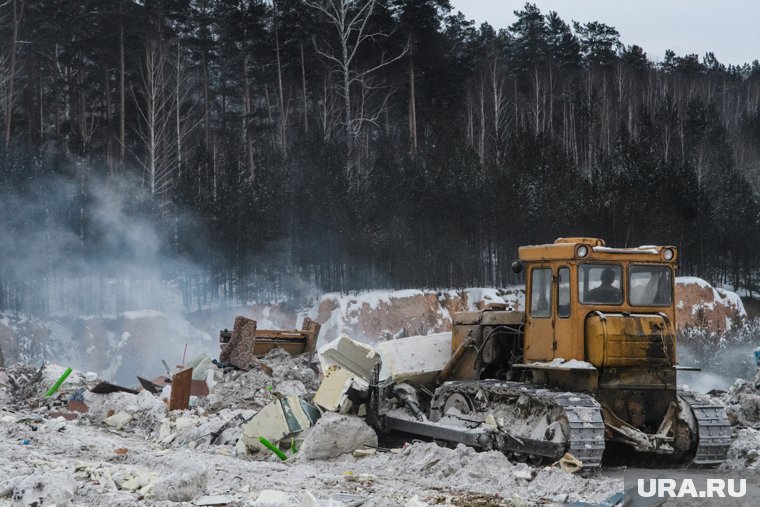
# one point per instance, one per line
(122, 448)
(336, 434)
(245, 344)
(745, 451)
(181, 386)
(184, 484)
(146, 411)
(272, 498)
(333, 393)
(254, 389)
(416, 359)
(286, 417)
(118, 420)
(351, 355)
(743, 404)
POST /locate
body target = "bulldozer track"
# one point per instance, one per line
(585, 439)
(713, 429)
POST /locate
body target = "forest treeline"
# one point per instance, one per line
(347, 144)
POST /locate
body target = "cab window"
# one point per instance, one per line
(600, 284)
(541, 292)
(563, 292)
(650, 286)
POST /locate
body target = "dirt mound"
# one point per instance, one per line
(702, 306)
(382, 315)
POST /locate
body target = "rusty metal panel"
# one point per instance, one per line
(181, 385)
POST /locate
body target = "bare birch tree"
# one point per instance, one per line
(350, 20)
(17, 13)
(164, 122)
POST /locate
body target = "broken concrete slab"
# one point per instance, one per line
(201, 365)
(279, 419)
(118, 420)
(416, 360)
(272, 498)
(336, 434)
(356, 357)
(332, 394)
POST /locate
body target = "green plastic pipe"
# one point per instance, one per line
(276, 450)
(58, 383)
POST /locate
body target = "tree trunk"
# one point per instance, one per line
(18, 11)
(122, 101)
(412, 109)
(248, 138)
(282, 120)
(305, 97)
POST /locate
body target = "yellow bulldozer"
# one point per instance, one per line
(588, 368)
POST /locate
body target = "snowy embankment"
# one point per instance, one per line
(134, 343)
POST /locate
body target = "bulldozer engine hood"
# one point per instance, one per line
(624, 339)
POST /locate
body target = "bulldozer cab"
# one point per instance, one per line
(611, 307)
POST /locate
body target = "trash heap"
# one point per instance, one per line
(280, 411)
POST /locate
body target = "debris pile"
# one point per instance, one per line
(743, 404)
(268, 427)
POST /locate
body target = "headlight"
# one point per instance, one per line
(582, 251)
(668, 254)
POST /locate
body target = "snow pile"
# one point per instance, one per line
(561, 364)
(461, 469)
(742, 403)
(745, 450)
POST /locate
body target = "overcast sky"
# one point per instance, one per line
(728, 28)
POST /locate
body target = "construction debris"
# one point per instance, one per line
(281, 419)
(334, 392)
(180, 390)
(58, 383)
(209, 500)
(118, 420)
(218, 446)
(416, 360)
(358, 358)
(245, 344)
(336, 434)
(108, 388)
